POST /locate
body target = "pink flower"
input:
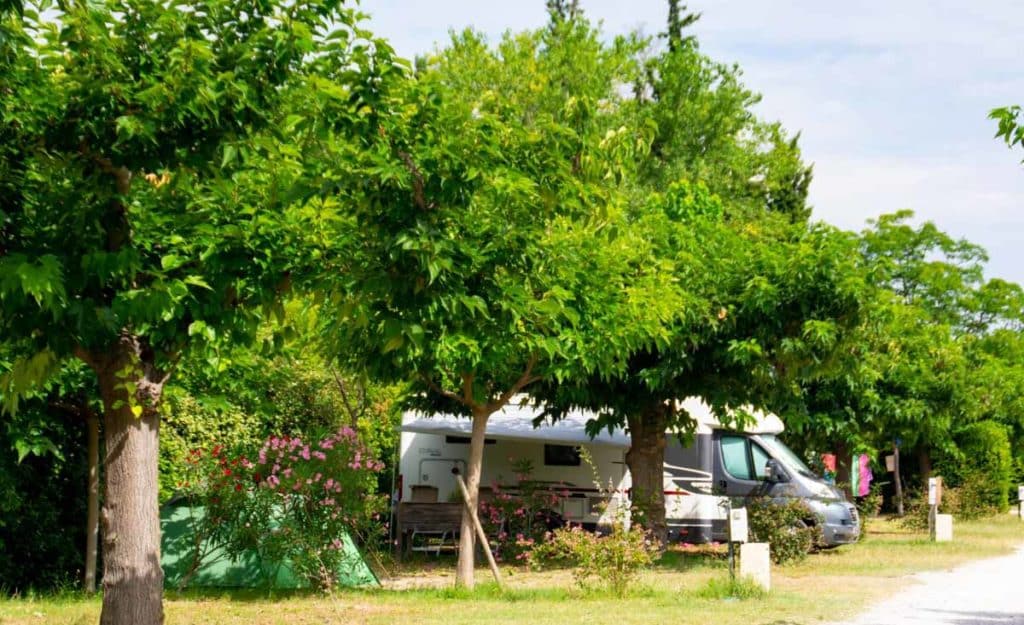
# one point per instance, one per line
(329, 483)
(305, 453)
(272, 481)
(319, 455)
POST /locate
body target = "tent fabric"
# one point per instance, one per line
(515, 422)
(179, 523)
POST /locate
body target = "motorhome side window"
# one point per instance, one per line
(561, 456)
(734, 456)
(739, 453)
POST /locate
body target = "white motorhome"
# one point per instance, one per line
(717, 462)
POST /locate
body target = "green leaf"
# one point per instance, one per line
(230, 153)
(171, 262)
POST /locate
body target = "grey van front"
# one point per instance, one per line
(738, 465)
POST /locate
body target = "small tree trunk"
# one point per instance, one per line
(132, 577)
(92, 523)
(646, 462)
(897, 480)
(844, 469)
(464, 575)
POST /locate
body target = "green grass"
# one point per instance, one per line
(684, 589)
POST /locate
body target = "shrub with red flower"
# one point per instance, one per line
(293, 503)
(519, 516)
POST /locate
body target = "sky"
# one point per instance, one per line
(891, 98)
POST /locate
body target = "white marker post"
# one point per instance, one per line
(755, 563)
(1020, 500)
(940, 526)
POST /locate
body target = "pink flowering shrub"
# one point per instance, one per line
(615, 558)
(519, 516)
(291, 501)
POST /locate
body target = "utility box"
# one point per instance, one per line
(935, 491)
(756, 564)
(738, 526)
(942, 530)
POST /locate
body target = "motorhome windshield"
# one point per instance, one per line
(786, 455)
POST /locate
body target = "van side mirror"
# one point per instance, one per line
(774, 472)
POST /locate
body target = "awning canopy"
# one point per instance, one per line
(515, 422)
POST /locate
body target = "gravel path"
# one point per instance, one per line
(987, 592)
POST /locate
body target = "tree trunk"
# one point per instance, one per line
(467, 537)
(130, 387)
(924, 461)
(646, 462)
(92, 523)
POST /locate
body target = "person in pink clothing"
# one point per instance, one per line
(864, 469)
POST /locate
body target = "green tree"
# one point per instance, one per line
(705, 130)
(765, 305)
(934, 353)
(146, 211)
(490, 248)
(764, 297)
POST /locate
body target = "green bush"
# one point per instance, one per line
(981, 468)
(789, 527)
(42, 511)
(615, 558)
(871, 504)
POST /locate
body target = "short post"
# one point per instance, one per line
(480, 534)
(1020, 501)
(756, 564)
(940, 526)
(728, 538)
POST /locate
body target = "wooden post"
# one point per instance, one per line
(898, 481)
(479, 530)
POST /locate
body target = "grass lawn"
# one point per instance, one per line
(681, 591)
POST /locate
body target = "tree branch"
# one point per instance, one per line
(524, 380)
(440, 391)
(418, 185)
(353, 416)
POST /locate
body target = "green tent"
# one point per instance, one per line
(179, 523)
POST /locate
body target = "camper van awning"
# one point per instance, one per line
(515, 422)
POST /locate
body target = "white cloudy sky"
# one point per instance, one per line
(891, 97)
